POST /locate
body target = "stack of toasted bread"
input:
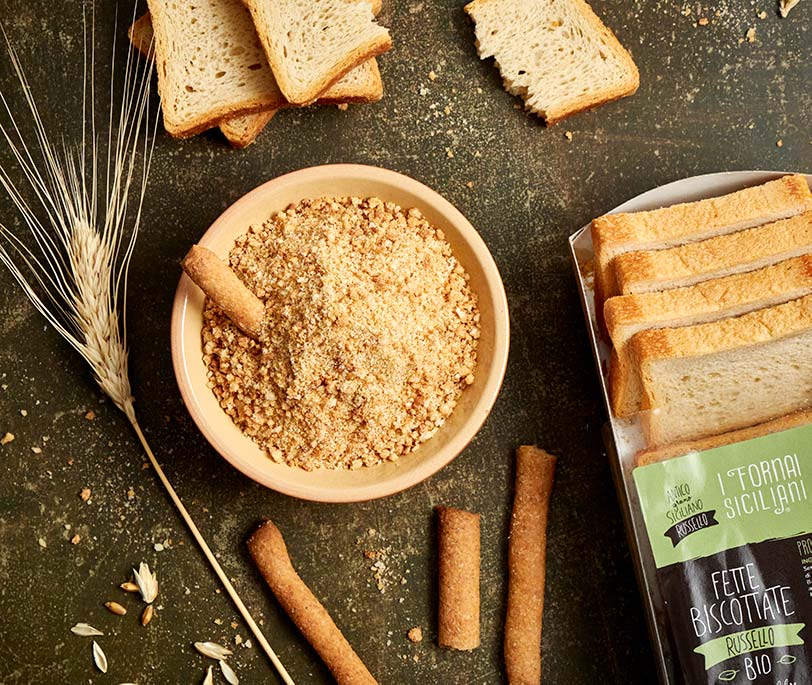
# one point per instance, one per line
(708, 307)
(234, 64)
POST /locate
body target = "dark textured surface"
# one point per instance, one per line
(708, 102)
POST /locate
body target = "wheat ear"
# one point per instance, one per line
(74, 260)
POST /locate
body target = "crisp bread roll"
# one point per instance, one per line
(712, 378)
(651, 456)
(527, 552)
(706, 301)
(652, 270)
(362, 84)
(458, 615)
(220, 283)
(311, 45)
(615, 234)
(270, 554)
(557, 55)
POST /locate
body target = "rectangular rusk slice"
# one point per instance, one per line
(652, 270)
(557, 55)
(711, 300)
(362, 84)
(678, 449)
(717, 377)
(615, 234)
(310, 45)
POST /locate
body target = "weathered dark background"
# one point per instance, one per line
(709, 100)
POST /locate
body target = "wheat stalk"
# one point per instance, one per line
(73, 260)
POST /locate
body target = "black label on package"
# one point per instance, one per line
(745, 612)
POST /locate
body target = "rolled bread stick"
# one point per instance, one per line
(220, 283)
(526, 565)
(458, 619)
(271, 557)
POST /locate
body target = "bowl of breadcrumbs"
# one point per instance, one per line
(383, 343)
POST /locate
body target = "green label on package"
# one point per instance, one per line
(731, 534)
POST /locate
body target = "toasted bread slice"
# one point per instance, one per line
(753, 248)
(210, 64)
(716, 377)
(240, 131)
(615, 234)
(362, 84)
(711, 300)
(679, 449)
(557, 55)
(311, 45)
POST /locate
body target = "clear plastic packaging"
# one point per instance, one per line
(624, 439)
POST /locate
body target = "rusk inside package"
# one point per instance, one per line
(731, 535)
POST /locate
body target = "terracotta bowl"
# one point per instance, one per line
(475, 403)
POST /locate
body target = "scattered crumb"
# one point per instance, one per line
(90, 415)
(779, 143)
(158, 547)
(70, 462)
(568, 135)
(470, 184)
(234, 625)
(84, 495)
(238, 639)
(784, 6)
(762, 15)
(449, 153)
(685, 11)
(41, 542)
(432, 76)
(23, 412)
(703, 21)
(247, 644)
(218, 621)
(751, 34)
(130, 493)
(370, 554)
(416, 658)
(343, 106)
(7, 438)
(415, 634)
(75, 539)
(36, 450)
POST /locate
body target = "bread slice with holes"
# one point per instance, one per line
(707, 301)
(616, 234)
(310, 45)
(678, 449)
(240, 131)
(556, 55)
(210, 64)
(652, 270)
(362, 84)
(717, 377)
